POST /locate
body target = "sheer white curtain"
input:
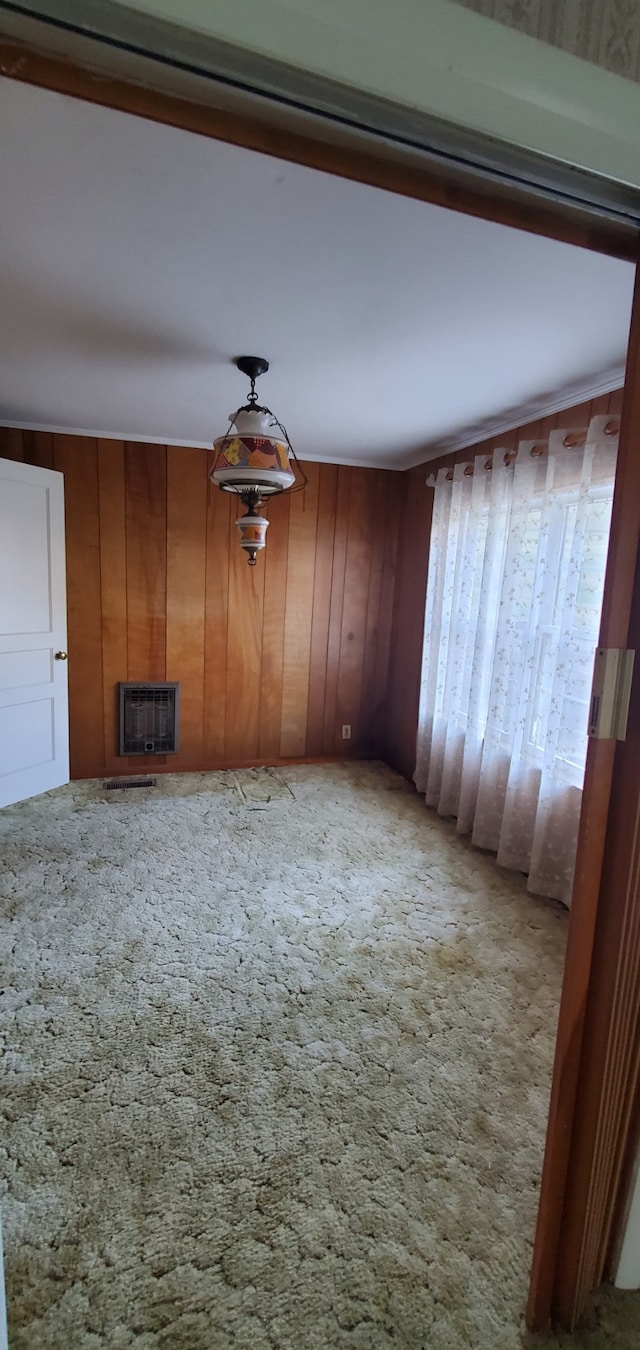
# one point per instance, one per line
(516, 573)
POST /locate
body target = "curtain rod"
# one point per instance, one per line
(539, 449)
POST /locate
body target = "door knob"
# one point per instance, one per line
(61, 656)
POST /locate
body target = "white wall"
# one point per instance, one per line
(440, 59)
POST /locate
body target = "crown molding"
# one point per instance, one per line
(545, 406)
(349, 462)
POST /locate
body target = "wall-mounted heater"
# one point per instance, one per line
(148, 718)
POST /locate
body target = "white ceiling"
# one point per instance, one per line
(137, 260)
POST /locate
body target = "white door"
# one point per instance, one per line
(34, 716)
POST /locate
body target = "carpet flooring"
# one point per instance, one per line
(277, 1071)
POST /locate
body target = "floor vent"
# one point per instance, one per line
(122, 783)
(148, 719)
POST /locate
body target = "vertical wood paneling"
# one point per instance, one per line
(405, 664)
(275, 560)
(11, 444)
(600, 405)
(219, 514)
(357, 573)
(113, 590)
(614, 408)
(299, 612)
(510, 440)
(38, 448)
(577, 417)
(326, 629)
(77, 458)
(343, 495)
(325, 542)
(303, 522)
(380, 615)
(146, 531)
(186, 577)
(367, 716)
(244, 644)
(146, 526)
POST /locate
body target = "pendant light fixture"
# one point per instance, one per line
(253, 459)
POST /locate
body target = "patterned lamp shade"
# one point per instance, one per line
(252, 458)
(253, 534)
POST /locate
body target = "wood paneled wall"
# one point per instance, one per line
(400, 710)
(272, 660)
(327, 629)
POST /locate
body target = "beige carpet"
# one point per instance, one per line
(278, 1063)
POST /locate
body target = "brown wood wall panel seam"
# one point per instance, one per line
(354, 609)
(367, 709)
(599, 406)
(303, 525)
(38, 448)
(323, 575)
(402, 702)
(146, 526)
(186, 575)
(384, 654)
(343, 493)
(216, 623)
(146, 534)
(244, 642)
(77, 458)
(275, 561)
(11, 443)
(113, 589)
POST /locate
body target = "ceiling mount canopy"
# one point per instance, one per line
(252, 367)
(253, 458)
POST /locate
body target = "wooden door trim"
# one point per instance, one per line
(610, 1064)
(582, 1003)
(502, 203)
(590, 1079)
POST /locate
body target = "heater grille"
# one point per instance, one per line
(149, 718)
